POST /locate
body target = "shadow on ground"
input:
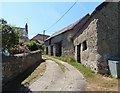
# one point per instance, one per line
(15, 86)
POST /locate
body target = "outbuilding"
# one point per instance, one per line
(99, 39)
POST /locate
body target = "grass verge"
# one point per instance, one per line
(62, 67)
(95, 82)
(37, 73)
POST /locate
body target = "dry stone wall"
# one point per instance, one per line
(102, 37)
(12, 66)
(88, 33)
(108, 36)
(67, 44)
(65, 39)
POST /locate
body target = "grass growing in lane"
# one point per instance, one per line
(62, 67)
(84, 70)
(95, 82)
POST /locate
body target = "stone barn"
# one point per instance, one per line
(61, 43)
(40, 38)
(99, 39)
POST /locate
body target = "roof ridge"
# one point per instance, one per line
(72, 25)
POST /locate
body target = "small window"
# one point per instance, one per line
(84, 45)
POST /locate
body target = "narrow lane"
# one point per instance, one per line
(74, 80)
(54, 79)
(48, 78)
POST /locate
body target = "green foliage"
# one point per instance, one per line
(87, 72)
(11, 50)
(21, 41)
(10, 36)
(63, 68)
(33, 45)
(18, 49)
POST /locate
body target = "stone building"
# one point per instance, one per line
(40, 38)
(92, 41)
(23, 33)
(61, 43)
(99, 39)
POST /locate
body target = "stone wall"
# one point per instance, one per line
(65, 40)
(67, 43)
(119, 28)
(101, 36)
(108, 36)
(12, 66)
(87, 34)
(67, 47)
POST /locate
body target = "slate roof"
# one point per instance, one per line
(39, 37)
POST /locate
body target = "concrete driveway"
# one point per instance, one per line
(54, 79)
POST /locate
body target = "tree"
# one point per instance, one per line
(33, 45)
(10, 36)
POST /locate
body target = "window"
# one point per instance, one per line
(84, 45)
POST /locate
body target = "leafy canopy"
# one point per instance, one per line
(33, 45)
(10, 36)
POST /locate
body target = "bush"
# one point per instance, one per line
(33, 45)
(21, 42)
(10, 36)
(19, 49)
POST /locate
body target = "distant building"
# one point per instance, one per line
(40, 38)
(24, 33)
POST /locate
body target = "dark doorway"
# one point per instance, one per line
(78, 53)
(46, 50)
(58, 49)
(51, 50)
